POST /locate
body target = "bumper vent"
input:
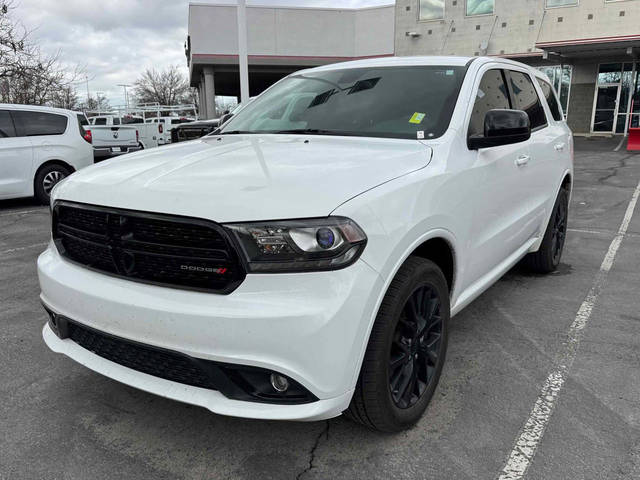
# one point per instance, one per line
(159, 363)
(237, 382)
(153, 248)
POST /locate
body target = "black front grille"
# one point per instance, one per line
(161, 249)
(159, 363)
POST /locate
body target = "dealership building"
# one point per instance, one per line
(280, 40)
(589, 48)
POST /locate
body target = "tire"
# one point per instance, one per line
(377, 401)
(547, 258)
(45, 180)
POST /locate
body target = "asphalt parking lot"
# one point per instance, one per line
(61, 420)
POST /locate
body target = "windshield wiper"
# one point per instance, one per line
(234, 132)
(311, 131)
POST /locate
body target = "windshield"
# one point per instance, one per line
(396, 102)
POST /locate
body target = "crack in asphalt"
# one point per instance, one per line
(312, 452)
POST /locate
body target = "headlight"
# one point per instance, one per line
(312, 244)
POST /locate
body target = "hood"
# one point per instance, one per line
(236, 178)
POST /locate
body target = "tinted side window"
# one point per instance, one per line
(116, 121)
(526, 98)
(6, 125)
(552, 100)
(33, 124)
(492, 94)
(82, 120)
(100, 121)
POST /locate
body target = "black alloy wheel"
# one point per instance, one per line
(547, 258)
(406, 349)
(415, 351)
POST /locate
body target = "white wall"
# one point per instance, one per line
(305, 32)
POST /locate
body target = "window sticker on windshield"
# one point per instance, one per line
(449, 73)
(480, 93)
(420, 134)
(417, 117)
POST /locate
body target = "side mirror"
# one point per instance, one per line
(502, 127)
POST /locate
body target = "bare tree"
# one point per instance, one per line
(13, 40)
(27, 75)
(167, 87)
(96, 104)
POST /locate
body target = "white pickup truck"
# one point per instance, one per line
(147, 136)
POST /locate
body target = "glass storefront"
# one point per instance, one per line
(615, 97)
(560, 76)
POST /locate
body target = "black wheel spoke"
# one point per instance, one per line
(415, 351)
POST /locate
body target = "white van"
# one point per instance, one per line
(166, 125)
(39, 146)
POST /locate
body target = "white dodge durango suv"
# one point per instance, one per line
(39, 146)
(305, 260)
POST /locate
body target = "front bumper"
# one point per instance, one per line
(312, 327)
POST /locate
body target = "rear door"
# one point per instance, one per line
(494, 185)
(557, 151)
(16, 159)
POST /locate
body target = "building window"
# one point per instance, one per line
(560, 76)
(480, 7)
(561, 3)
(431, 9)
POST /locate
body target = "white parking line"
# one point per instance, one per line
(595, 232)
(23, 212)
(13, 250)
(529, 438)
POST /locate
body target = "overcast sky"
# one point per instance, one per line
(116, 40)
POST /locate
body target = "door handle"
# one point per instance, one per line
(559, 147)
(522, 160)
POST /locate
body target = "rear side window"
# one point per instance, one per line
(116, 121)
(526, 98)
(552, 100)
(100, 121)
(82, 120)
(32, 124)
(6, 125)
(492, 94)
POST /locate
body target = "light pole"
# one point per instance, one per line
(242, 51)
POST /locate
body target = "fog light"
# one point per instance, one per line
(279, 383)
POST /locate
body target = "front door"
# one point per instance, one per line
(605, 111)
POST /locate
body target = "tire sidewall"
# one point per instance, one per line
(39, 191)
(426, 273)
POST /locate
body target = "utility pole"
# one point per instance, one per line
(242, 51)
(88, 98)
(126, 94)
